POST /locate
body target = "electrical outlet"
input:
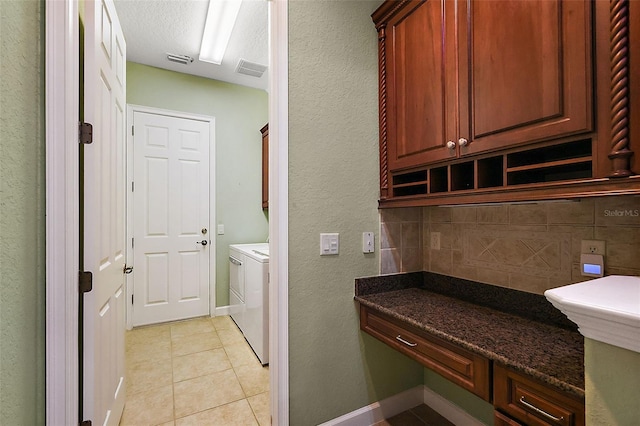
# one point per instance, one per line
(435, 241)
(592, 247)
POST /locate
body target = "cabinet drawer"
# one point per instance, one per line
(462, 367)
(534, 403)
(500, 419)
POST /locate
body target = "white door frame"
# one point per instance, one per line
(62, 210)
(63, 218)
(131, 109)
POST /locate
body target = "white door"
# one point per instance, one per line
(104, 214)
(170, 218)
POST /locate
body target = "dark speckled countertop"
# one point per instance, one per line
(520, 330)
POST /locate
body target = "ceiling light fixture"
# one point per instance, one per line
(221, 18)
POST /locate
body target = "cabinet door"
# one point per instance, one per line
(421, 82)
(527, 71)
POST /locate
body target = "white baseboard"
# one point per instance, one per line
(222, 310)
(380, 410)
(404, 401)
(448, 409)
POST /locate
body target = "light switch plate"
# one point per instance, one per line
(221, 229)
(329, 244)
(368, 242)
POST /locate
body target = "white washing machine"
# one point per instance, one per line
(249, 294)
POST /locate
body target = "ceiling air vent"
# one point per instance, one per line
(250, 68)
(180, 59)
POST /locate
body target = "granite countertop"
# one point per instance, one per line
(520, 330)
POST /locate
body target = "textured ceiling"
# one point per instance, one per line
(153, 28)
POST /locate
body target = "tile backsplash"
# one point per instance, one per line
(530, 247)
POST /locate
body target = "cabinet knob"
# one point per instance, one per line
(463, 142)
(451, 144)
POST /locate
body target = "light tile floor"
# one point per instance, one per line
(194, 372)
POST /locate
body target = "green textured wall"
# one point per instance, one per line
(333, 187)
(240, 113)
(472, 404)
(612, 384)
(22, 218)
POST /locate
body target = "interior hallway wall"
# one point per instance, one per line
(240, 112)
(333, 187)
(22, 214)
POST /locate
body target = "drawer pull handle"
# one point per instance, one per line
(399, 338)
(539, 411)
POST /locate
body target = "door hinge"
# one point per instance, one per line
(132, 298)
(132, 131)
(85, 281)
(85, 133)
(132, 243)
(132, 186)
(86, 423)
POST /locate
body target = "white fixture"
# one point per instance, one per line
(180, 59)
(221, 18)
(250, 68)
(221, 229)
(591, 265)
(329, 244)
(368, 242)
(606, 309)
(592, 247)
(249, 294)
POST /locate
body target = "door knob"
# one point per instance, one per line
(451, 144)
(203, 242)
(127, 269)
(463, 142)
(204, 231)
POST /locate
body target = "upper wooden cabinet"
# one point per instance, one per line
(481, 95)
(466, 77)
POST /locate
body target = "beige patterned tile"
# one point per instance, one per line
(521, 252)
(411, 260)
(241, 354)
(622, 246)
(152, 351)
(148, 375)
(203, 393)
(193, 326)
(440, 261)
(426, 215)
(578, 233)
(617, 211)
(151, 407)
(199, 364)
(223, 322)
(527, 214)
(460, 269)
(236, 413)
(493, 214)
(254, 379)
(405, 214)
(463, 214)
(410, 235)
(571, 212)
(171, 423)
(633, 272)
(183, 345)
(446, 233)
(493, 276)
(260, 404)
(390, 235)
(389, 261)
(439, 214)
(529, 283)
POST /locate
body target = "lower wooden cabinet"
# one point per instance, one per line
(518, 399)
(533, 403)
(460, 366)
